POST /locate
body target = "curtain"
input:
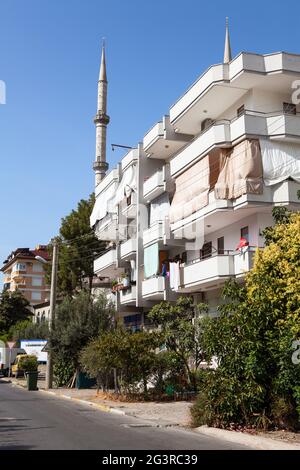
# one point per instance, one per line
(191, 192)
(241, 172)
(151, 260)
(159, 208)
(280, 161)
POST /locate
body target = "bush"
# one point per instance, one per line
(29, 363)
(63, 371)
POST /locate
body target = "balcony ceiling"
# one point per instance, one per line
(163, 149)
(219, 97)
(215, 101)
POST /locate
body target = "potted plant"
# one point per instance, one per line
(29, 365)
(114, 284)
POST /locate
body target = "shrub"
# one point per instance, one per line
(29, 363)
(63, 371)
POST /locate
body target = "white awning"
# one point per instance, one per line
(281, 160)
(126, 185)
(104, 204)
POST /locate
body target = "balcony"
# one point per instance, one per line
(154, 234)
(223, 84)
(225, 133)
(130, 157)
(207, 272)
(153, 135)
(154, 186)
(128, 296)
(154, 288)
(105, 265)
(243, 262)
(128, 249)
(162, 141)
(217, 135)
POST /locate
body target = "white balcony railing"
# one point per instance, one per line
(128, 296)
(153, 287)
(128, 248)
(154, 186)
(218, 134)
(105, 261)
(243, 262)
(276, 125)
(207, 270)
(154, 233)
(154, 133)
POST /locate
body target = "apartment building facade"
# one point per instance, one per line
(23, 272)
(185, 210)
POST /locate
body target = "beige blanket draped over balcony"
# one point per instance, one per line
(191, 192)
(242, 172)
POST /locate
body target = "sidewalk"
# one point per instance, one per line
(165, 414)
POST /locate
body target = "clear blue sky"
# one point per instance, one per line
(49, 60)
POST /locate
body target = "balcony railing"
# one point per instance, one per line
(128, 248)
(128, 296)
(154, 186)
(224, 133)
(154, 288)
(154, 233)
(218, 266)
(105, 261)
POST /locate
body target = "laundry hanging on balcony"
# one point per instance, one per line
(191, 192)
(175, 275)
(104, 204)
(280, 161)
(242, 172)
(151, 260)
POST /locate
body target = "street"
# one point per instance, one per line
(39, 421)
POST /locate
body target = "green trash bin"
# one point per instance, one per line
(32, 378)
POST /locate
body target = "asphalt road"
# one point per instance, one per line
(36, 420)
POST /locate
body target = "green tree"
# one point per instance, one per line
(132, 354)
(256, 382)
(181, 330)
(78, 247)
(78, 320)
(13, 308)
(26, 329)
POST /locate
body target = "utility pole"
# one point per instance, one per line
(49, 368)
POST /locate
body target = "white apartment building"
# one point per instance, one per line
(184, 211)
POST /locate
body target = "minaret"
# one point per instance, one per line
(227, 49)
(101, 120)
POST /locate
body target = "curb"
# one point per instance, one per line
(100, 406)
(256, 442)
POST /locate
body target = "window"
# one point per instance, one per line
(206, 251)
(37, 268)
(289, 108)
(19, 267)
(240, 111)
(245, 233)
(220, 242)
(35, 295)
(37, 281)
